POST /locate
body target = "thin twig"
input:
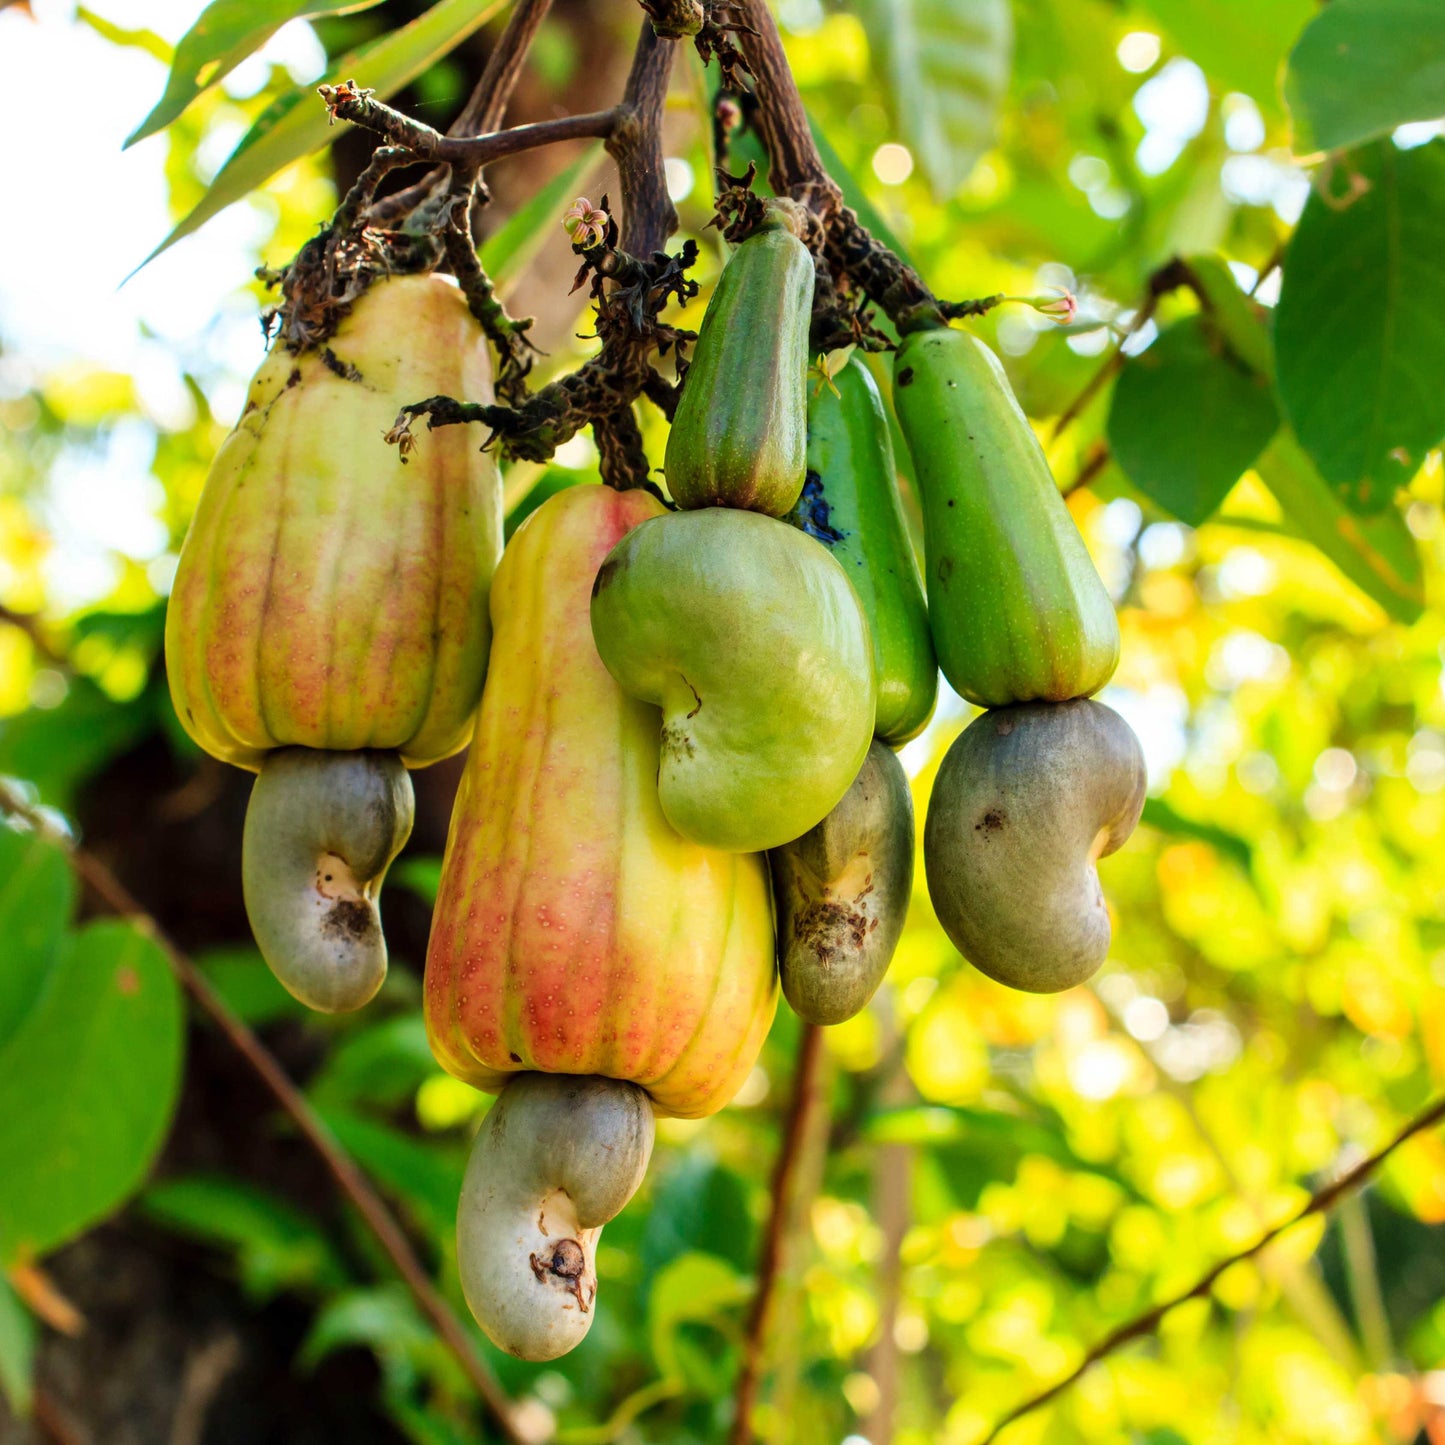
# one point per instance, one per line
(485, 107)
(347, 102)
(1148, 1322)
(354, 1184)
(806, 1095)
(29, 624)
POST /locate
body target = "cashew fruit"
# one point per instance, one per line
(554, 1160)
(321, 831)
(1017, 611)
(850, 504)
(575, 931)
(751, 639)
(739, 437)
(331, 594)
(842, 893)
(1026, 801)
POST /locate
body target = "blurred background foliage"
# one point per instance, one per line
(1000, 1178)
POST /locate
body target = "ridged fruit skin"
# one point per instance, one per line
(850, 504)
(740, 435)
(575, 932)
(1017, 610)
(751, 639)
(1026, 801)
(842, 892)
(329, 595)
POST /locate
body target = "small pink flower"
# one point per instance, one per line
(1062, 306)
(586, 223)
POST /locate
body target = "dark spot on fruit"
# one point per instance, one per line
(676, 740)
(696, 695)
(565, 1262)
(905, 377)
(604, 575)
(1003, 727)
(515, 1058)
(950, 501)
(811, 515)
(294, 378)
(334, 364)
(348, 918)
(831, 931)
(991, 822)
(953, 386)
(945, 568)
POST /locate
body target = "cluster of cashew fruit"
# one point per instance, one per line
(681, 785)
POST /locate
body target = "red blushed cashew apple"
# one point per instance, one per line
(1027, 800)
(328, 624)
(576, 933)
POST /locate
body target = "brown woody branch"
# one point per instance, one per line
(1145, 1324)
(807, 1094)
(344, 1169)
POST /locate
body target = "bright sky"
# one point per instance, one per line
(94, 212)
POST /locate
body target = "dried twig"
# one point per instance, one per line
(1148, 1322)
(807, 1092)
(348, 1175)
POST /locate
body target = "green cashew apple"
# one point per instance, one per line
(842, 893)
(555, 1159)
(1017, 610)
(850, 504)
(321, 830)
(1026, 802)
(751, 640)
(740, 434)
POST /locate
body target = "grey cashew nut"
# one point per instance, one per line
(555, 1159)
(842, 893)
(321, 830)
(1027, 800)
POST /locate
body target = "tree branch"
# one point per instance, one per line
(353, 1183)
(485, 107)
(807, 1093)
(348, 102)
(1148, 1322)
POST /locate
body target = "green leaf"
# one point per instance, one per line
(384, 1320)
(696, 1287)
(17, 1352)
(1378, 554)
(944, 69)
(698, 1205)
(1167, 819)
(1188, 418)
(276, 1246)
(138, 39)
(226, 32)
(506, 252)
(1359, 337)
(295, 124)
(427, 1177)
(58, 748)
(1240, 44)
(87, 1088)
(37, 898)
(380, 1064)
(1363, 67)
(247, 986)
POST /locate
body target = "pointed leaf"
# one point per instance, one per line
(1188, 418)
(37, 897)
(17, 1352)
(1359, 335)
(295, 124)
(944, 66)
(1378, 554)
(226, 32)
(1363, 67)
(87, 1088)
